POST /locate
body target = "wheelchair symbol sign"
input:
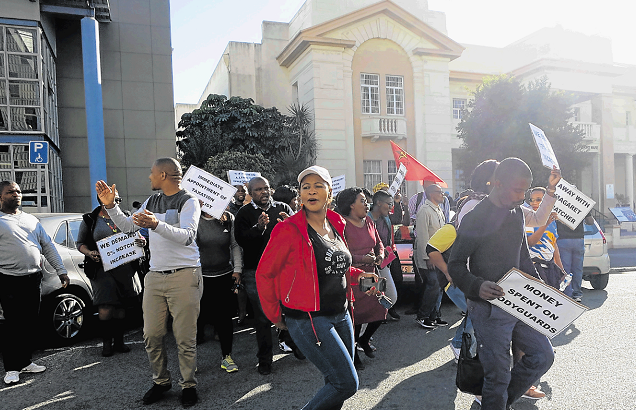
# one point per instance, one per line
(38, 152)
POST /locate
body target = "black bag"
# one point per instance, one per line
(91, 267)
(470, 373)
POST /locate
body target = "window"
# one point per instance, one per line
(459, 105)
(60, 235)
(577, 114)
(372, 173)
(73, 228)
(370, 92)
(394, 95)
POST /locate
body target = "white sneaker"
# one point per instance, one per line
(284, 348)
(12, 377)
(33, 368)
(455, 351)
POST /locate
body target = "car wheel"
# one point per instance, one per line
(65, 317)
(599, 281)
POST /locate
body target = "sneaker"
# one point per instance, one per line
(440, 322)
(12, 377)
(393, 314)
(533, 393)
(33, 368)
(284, 348)
(228, 364)
(189, 397)
(155, 393)
(264, 368)
(578, 299)
(455, 351)
(426, 323)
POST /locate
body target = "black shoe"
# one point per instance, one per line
(440, 322)
(155, 393)
(121, 348)
(264, 368)
(298, 354)
(368, 350)
(394, 314)
(107, 347)
(189, 397)
(426, 323)
(411, 312)
(357, 363)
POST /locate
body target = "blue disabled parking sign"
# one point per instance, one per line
(38, 152)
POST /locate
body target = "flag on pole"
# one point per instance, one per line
(416, 171)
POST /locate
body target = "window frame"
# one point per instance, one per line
(391, 101)
(370, 88)
(457, 111)
(373, 177)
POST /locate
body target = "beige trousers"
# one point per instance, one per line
(176, 294)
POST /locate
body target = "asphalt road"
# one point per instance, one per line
(413, 369)
(622, 257)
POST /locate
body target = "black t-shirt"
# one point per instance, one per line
(333, 261)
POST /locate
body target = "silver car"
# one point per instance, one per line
(64, 312)
(596, 263)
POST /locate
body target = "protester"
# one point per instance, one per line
(417, 200)
(253, 226)
(221, 266)
(237, 200)
(572, 247)
(367, 253)
(287, 195)
(430, 218)
(113, 290)
(23, 242)
(305, 273)
(174, 285)
(491, 240)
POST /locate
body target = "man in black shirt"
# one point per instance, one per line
(252, 228)
(493, 236)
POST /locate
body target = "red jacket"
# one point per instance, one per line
(287, 271)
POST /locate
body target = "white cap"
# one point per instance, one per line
(315, 169)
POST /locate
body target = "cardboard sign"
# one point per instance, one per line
(572, 205)
(118, 249)
(241, 177)
(212, 191)
(545, 148)
(536, 304)
(338, 184)
(399, 177)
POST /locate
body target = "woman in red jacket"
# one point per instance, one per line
(305, 274)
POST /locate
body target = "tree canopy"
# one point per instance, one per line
(237, 125)
(495, 126)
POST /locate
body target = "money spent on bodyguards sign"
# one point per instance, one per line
(117, 249)
(572, 205)
(536, 304)
(241, 177)
(399, 177)
(337, 184)
(212, 191)
(545, 148)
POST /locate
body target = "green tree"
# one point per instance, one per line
(495, 125)
(219, 164)
(238, 125)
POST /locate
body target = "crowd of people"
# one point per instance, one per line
(323, 270)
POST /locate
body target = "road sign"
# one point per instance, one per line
(38, 152)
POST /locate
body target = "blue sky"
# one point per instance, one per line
(202, 28)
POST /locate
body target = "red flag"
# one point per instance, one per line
(415, 171)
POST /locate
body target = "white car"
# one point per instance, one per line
(596, 263)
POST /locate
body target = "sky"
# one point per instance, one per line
(202, 28)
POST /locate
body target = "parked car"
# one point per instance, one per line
(596, 264)
(64, 312)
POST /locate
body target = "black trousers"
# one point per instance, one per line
(20, 299)
(262, 325)
(218, 305)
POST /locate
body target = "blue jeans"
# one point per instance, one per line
(495, 329)
(432, 292)
(459, 299)
(572, 252)
(333, 357)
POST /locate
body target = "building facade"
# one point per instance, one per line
(94, 80)
(374, 71)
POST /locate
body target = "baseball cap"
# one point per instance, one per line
(318, 170)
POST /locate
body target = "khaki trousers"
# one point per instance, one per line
(176, 294)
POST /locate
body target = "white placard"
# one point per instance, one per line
(212, 191)
(545, 148)
(399, 177)
(572, 205)
(337, 184)
(117, 249)
(536, 304)
(241, 177)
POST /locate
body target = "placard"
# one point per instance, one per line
(536, 304)
(572, 205)
(338, 184)
(118, 249)
(212, 191)
(623, 214)
(545, 148)
(399, 177)
(241, 177)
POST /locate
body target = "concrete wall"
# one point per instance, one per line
(136, 58)
(20, 9)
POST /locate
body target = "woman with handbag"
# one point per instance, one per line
(305, 272)
(113, 290)
(367, 252)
